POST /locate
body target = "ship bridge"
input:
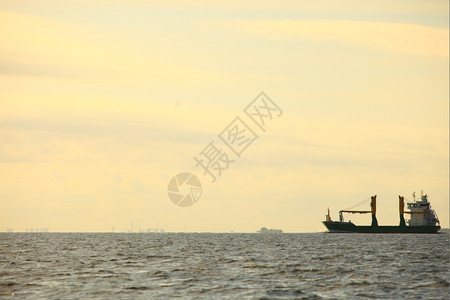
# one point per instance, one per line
(421, 212)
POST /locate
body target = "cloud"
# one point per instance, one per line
(15, 68)
(319, 6)
(23, 139)
(395, 38)
(35, 46)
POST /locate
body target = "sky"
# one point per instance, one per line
(103, 102)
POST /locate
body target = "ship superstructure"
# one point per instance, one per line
(421, 212)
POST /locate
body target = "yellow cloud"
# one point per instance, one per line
(318, 6)
(44, 48)
(391, 37)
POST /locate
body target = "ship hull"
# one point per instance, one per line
(334, 226)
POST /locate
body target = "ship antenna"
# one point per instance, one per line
(414, 196)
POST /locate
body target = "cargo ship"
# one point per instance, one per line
(423, 219)
(265, 230)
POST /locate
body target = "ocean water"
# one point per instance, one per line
(216, 266)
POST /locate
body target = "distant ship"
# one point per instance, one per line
(265, 230)
(423, 219)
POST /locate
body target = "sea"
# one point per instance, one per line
(224, 266)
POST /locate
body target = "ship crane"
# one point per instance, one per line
(341, 217)
(373, 211)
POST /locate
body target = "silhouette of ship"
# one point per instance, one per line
(423, 219)
(265, 230)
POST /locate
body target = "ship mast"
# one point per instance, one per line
(401, 207)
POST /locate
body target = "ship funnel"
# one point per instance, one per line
(401, 208)
(373, 206)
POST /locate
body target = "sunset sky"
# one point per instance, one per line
(103, 102)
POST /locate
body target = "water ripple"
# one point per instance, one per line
(192, 266)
